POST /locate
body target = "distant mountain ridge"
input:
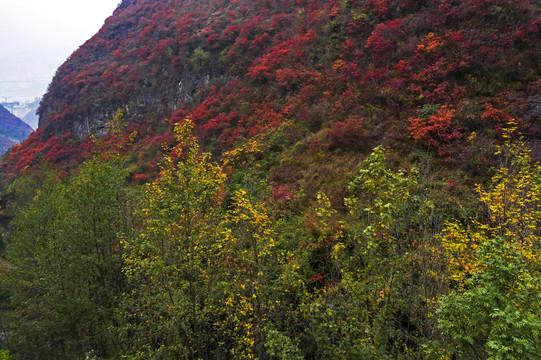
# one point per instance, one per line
(27, 113)
(12, 130)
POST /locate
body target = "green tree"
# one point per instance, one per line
(498, 315)
(66, 262)
(29, 253)
(373, 303)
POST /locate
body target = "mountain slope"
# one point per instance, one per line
(349, 75)
(12, 130)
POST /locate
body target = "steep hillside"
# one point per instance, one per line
(282, 179)
(345, 75)
(12, 130)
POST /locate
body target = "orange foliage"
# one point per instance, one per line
(437, 131)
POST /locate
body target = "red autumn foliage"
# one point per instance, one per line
(244, 68)
(348, 135)
(438, 131)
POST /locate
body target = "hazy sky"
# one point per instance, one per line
(37, 36)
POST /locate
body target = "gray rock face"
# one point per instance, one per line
(96, 122)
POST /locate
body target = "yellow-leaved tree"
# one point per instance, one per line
(171, 264)
(249, 244)
(494, 265)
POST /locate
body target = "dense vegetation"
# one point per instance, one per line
(211, 261)
(346, 75)
(282, 180)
